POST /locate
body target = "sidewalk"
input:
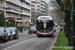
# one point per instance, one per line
(24, 32)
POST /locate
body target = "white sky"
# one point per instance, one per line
(47, 1)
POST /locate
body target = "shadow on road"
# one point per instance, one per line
(46, 37)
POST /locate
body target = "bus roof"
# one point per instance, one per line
(44, 18)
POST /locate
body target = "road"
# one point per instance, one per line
(29, 42)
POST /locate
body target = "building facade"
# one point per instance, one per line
(38, 8)
(44, 8)
(20, 9)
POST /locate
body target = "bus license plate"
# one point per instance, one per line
(44, 34)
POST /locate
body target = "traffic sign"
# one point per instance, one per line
(35, 18)
(15, 19)
(23, 20)
(27, 22)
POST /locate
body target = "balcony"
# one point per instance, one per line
(18, 3)
(29, 1)
(26, 5)
(26, 12)
(12, 15)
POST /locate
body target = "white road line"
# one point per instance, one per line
(9, 47)
(19, 43)
(5, 49)
(3, 45)
(10, 42)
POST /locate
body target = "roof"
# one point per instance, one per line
(44, 18)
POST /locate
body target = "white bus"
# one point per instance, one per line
(45, 26)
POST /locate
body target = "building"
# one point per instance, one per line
(44, 8)
(35, 9)
(38, 8)
(20, 9)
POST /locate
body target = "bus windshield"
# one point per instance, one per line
(44, 25)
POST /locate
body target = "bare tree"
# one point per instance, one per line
(66, 6)
(2, 1)
(56, 11)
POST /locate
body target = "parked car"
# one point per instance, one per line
(14, 32)
(30, 23)
(10, 36)
(32, 30)
(3, 34)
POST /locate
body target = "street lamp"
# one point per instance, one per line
(73, 18)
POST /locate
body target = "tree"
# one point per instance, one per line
(67, 7)
(2, 19)
(2, 1)
(56, 12)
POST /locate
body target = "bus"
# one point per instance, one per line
(45, 26)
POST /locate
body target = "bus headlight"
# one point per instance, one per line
(50, 32)
(38, 32)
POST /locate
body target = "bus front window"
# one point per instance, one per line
(44, 25)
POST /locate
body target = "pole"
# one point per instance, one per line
(73, 33)
(15, 23)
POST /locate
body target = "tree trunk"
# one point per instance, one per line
(65, 28)
(69, 26)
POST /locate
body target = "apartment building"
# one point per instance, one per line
(44, 8)
(20, 9)
(38, 7)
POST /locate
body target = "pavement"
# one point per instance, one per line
(24, 32)
(29, 42)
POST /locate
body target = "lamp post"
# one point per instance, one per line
(73, 18)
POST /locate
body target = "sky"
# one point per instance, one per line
(47, 1)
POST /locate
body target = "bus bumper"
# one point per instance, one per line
(39, 34)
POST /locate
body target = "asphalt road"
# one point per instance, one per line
(29, 42)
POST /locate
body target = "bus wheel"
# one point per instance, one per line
(53, 36)
(38, 36)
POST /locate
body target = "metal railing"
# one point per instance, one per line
(23, 4)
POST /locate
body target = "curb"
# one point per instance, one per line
(52, 44)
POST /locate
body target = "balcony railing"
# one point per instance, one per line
(12, 15)
(16, 1)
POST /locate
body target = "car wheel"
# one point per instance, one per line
(52, 36)
(17, 38)
(5, 40)
(10, 39)
(38, 36)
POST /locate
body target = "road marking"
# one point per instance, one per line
(9, 47)
(10, 42)
(5, 49)
(19, 43)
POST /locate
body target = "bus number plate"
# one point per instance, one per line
(44, 34)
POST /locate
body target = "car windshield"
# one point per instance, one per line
(32, 28)
(1, 30)
(7, 30)
(13, 30)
